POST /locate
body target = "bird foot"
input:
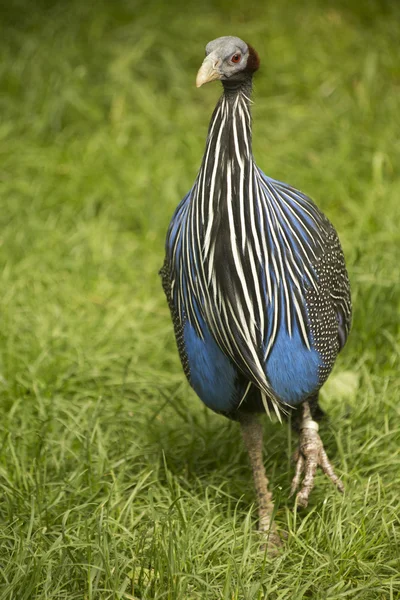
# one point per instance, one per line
(309, 456)
(271, 538)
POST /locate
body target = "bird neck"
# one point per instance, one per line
(234, 87)
(227, 167)
(229, 137)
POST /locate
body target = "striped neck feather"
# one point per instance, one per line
(227, 162)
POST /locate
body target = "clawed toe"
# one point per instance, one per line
(309, 456)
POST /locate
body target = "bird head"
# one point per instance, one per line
(227, 58)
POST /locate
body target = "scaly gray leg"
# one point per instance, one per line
(309, 456)
(253, 440)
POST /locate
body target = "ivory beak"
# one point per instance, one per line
(208, 71)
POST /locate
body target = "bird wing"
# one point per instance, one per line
(340, 290)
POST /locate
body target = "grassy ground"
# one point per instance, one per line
(116, 483)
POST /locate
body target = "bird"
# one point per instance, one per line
(256, 282)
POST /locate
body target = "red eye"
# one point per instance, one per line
(236, 58)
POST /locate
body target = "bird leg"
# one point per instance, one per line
(253, 440)
(309, 456)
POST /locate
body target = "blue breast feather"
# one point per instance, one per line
(212, 375)
(291, 369)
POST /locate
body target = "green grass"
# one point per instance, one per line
(116, 483)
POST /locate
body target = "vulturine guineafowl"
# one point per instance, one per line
(256, 283)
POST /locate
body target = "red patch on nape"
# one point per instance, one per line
(253, 62)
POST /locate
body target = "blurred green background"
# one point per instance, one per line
(115, 481)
